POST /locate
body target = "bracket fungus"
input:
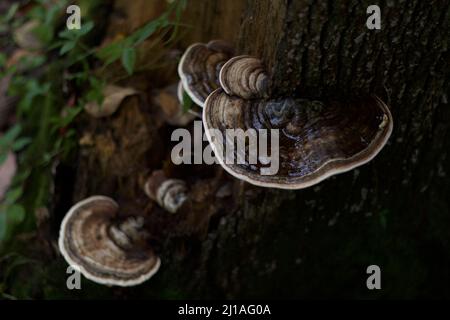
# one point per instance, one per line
(170, 194)
(245, 77)
(316, 139)
(105, 251)
(199, 68)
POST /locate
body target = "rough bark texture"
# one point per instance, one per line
(318, 242)
(208, 20)
(391, 212)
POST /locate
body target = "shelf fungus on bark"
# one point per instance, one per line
(170, 194)
(245, 77)
(315, 140)
(199, 68)
(104, 250)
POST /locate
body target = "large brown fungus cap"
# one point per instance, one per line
(106, 252)
(316, 139)
(199, 68)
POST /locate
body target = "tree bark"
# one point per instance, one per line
(318, 242)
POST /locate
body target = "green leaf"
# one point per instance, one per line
(67, 34)
(180, 6)
(33, 90)
(12, 195)
(16, 213)
(66, 120)
(37, 12)
(187, 102)
(44, 32)
(20, 143)
(85, 28)
(129, 59)
(2, 59)
(111, 52)
(67, 47)
(21, 176)
(11, 12)
(146, 31)
(124, 48)
(76, 34)
(95, 92)
(3, 156)
(10, 135)
(32, 62)
(51, 14)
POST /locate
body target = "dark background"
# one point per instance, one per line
(264, 243)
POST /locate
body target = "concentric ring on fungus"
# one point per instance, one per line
(105, 252)
(317, 140)
(199, 68)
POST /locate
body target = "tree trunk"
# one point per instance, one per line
(317, 242)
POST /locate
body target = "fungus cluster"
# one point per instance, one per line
(111, 250)
(199, 68)
(318, 139)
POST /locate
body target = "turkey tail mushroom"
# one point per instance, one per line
(199, 68)
(245, 77)
(170, 194)
(316, 139)
(104, 251)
